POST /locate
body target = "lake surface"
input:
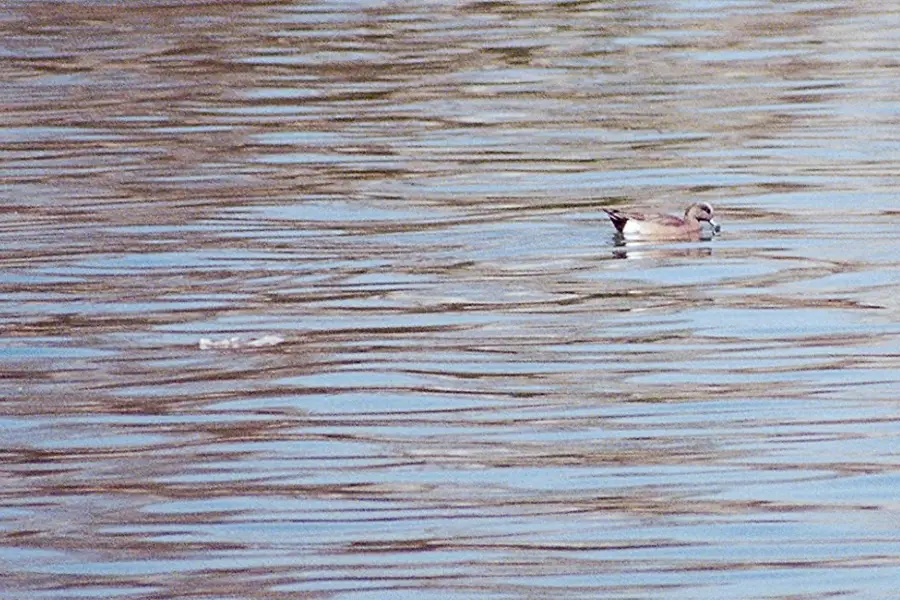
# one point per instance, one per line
(317, 300)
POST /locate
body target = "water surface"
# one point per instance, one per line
(465, 386)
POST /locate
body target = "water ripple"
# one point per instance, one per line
(469, 388)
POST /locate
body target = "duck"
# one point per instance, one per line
(664, 226)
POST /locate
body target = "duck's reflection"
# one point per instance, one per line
(643, 249)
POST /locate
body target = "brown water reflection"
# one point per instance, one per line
(468, 389)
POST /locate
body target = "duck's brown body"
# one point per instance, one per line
(653, 225)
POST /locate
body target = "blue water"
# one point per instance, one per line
(319, 300)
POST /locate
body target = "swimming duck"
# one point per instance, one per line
(654, 225)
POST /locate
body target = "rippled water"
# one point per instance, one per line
(317, 300)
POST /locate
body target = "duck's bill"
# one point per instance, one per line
(716, 228)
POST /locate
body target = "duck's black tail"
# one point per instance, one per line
(617, 218)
